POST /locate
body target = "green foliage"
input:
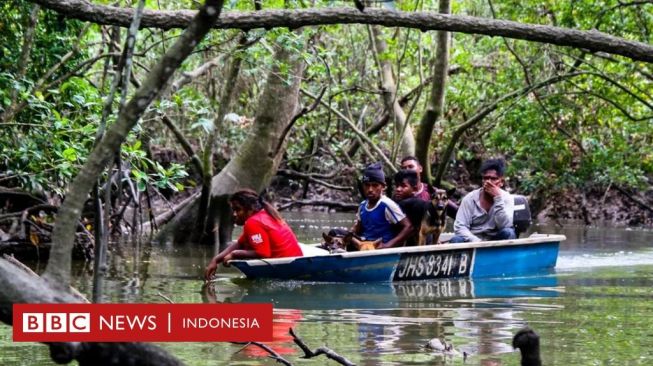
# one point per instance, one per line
(146, 172)
(52, 136)
(47, 153)
(588, 130)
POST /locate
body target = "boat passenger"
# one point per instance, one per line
(265, 233)
(486, 213)
(406, 183)
(423, 190)
(378, 213)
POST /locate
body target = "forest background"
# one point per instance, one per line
(574, 124)
(161, 124)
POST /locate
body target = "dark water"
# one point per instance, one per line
(596, 308)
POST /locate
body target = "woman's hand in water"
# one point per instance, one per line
(211, 268)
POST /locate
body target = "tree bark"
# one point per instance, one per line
(256, 162)
(390, 99)
(226, 99)
(593, 41)
(435, 108)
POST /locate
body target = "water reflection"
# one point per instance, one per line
(411, 294)
(594, 310)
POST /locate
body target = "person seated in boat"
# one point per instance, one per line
(486, 213)
(406, 184)
(377, 214)
(265, 233)
(424, 191)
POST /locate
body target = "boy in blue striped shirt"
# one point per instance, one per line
(378, 214)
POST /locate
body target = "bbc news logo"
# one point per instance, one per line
(142, 322)
(57, 322)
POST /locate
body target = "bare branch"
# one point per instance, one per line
(358, 132)
(183, 142)
(304, 111)
(311, 178)
(273, 354)
(319, 203)
(319, 351)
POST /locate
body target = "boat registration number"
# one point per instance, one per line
(418, 266)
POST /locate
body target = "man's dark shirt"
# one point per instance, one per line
(414, 209)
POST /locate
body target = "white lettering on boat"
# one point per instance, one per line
(434, 289)
(451, 264)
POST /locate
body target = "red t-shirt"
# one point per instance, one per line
(268, 237)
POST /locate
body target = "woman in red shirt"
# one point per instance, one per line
(265, 234)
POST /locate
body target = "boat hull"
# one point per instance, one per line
(533, 255)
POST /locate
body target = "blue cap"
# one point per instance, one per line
(374, 173)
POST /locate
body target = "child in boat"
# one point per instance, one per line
(377, 214)
(405, 187)
(265, 234)
(422, 190)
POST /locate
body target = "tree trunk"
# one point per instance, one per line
(390, 99)
(435, 107)
(256, 162)
(226, 98)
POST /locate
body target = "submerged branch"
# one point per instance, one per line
(329, 353)
(273, 354)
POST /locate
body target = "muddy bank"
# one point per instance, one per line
(612, 206)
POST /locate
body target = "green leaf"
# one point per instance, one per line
(141, 185)
(70, 154)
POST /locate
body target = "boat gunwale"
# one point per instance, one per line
(531, 240)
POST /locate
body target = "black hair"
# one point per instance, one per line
(498, 165)
(406, 174)
(251, 200)
(409, 157)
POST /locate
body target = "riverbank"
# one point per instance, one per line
(613, 205)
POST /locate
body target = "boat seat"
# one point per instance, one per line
(309, 250)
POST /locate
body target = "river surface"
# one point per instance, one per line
(596, 308)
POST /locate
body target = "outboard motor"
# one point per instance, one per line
(521, 218)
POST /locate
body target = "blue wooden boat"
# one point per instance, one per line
(536, 254)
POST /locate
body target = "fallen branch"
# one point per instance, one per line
(331, 204)
(289, 172)
(311, 178)
(592, 40)
(639, 202)
(169, 214)
(166, 298)
(29, 211)
(329, 353)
